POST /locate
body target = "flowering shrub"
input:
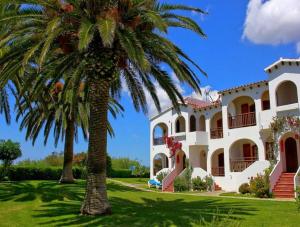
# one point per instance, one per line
(173, 145)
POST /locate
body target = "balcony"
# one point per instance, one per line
(242, 120)
(238, 165)
(197, 138)
(218, 171)
(216, 133)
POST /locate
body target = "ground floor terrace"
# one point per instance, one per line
(237, 163)
(47, 203)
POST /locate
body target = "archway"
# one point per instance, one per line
(242, 154)
(286, 93)
(291, 155)
(192, 123)
(160, 161)
(216, 126)
(180, 124)
(160, 131)
(180, 161)
(241, 112)
(217, 163)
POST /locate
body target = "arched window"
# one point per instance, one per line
(286, 93)
(180, 124)
(192, 123)
(202, 124)
(160, 162)
(160, 131)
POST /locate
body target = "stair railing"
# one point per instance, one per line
(169, 179)
(275, 175)
(297, 181)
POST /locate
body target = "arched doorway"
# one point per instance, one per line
(180, 161)
(217, 163)
(291, 155)
(160, 162)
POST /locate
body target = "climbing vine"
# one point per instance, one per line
(280, 126)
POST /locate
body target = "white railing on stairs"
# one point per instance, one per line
(297, 181)
(275, 175)
(169, 179)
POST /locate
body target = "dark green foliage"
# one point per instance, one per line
(198, 184)
(17, 173)
(181, 184)
(9, 151)
(121, 173)
(244, 188)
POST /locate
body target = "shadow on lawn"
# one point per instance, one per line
(131, 207)
(46, 191)
(145, 209)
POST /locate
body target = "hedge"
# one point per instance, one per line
(18, 173)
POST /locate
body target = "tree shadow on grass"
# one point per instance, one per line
(145, 209)
(46, 191)
(131, 207)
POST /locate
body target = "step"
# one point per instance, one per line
(284, 194)
(278, 187)
(284, 190)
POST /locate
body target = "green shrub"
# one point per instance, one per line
(161, 176)
(181, 184)
(244, 188)
(209, 182)
(198, 184)
(121, 173)
(259, 186)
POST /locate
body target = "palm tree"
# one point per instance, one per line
(51, 109)
(100, 41)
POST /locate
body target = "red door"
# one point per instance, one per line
(219, 123)
(245, 108)
(291, 155)
(247, 151)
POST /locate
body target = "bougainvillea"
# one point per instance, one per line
(173, 145)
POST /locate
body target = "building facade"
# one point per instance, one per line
(230, 139)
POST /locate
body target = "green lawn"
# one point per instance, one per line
(36, 203)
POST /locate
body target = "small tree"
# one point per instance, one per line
(9, 151)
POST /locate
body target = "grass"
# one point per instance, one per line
(235, 194)
(46, 203)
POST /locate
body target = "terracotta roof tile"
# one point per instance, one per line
(244, 86)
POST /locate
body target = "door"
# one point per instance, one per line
(247, 151)
(291, 155)
(245, 108)
(221, 164)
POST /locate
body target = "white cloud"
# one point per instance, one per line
(273, 22)
(207, 94)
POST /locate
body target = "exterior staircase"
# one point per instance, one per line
(284, 187)
(169, 188)
(217, 187)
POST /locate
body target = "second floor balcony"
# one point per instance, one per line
(216, 133)
(242, 120)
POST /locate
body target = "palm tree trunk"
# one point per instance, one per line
(96, 201)
(67, 173)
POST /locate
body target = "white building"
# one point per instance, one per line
(229, 139)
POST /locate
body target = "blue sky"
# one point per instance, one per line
(227, 57)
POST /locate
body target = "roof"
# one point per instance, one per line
(246, 86)
(282, 61)
(200, 104)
